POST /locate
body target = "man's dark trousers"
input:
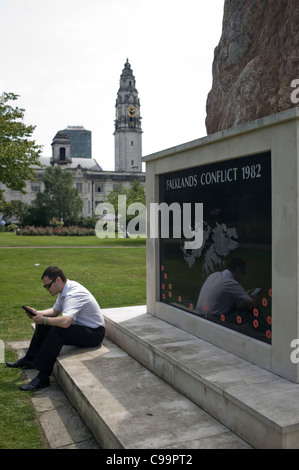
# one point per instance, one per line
(47, 342)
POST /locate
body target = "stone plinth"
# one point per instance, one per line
(278, 137)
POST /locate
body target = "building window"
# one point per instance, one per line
(115, 186)
(62, 154)
(98, 188)
(132, 143)
(79, 187)
(35, 187)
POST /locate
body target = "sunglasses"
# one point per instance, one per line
(47, 286)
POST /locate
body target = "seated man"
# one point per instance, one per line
(222, 291)
(81, 324)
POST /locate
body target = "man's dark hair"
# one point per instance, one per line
(53, 272)
(236, 263)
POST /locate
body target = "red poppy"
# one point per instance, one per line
(255, 312)
(222, 317)
(269, 319)
(163, 286)
(270, 292)
(268, 334)
(264, 302)
(239, 319)
(255, 323)
(179, 298)
(169, 286)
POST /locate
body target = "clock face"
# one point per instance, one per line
(132, 111)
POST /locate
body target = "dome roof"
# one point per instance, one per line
(61, 137)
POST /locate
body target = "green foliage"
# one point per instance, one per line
(12, 209)
(134, 195)
(59, 198)
(18, 153)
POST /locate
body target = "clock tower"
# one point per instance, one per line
(127, 134)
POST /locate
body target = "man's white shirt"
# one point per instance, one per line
(77, 302)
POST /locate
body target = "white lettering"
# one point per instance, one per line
(138, 221)
(295, 93)
(175, 207)
(197, 233)
(105, 226)
(120, 460)
(183, 182)
(219, 176)
(295, 354)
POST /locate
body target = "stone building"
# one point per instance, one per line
(71, 149)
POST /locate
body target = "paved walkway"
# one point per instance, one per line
(62, 426)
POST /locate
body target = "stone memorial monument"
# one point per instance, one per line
(245, 175)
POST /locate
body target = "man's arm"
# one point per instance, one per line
(50, 317)
(49, 312)
(62, 322)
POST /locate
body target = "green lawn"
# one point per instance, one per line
(114, 274)
(8, 239)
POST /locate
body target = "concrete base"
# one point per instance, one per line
(254, 403)
(128, 407)
(152, 385)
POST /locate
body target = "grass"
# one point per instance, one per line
(114, 274)
(19, 428)
(12, 240)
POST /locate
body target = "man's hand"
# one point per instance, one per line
(33, 312)
(39, 318)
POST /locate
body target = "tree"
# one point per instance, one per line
(18, 153)
(59, 198)
(12, 209)
(135, 194)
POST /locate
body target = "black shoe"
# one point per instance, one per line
(36, 384)
(21, 363)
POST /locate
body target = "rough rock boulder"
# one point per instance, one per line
(256, 63)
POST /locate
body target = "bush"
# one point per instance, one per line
(56, 231)
(11, 228)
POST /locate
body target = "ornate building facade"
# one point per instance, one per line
(92, 183)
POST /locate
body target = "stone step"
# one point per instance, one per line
(126, 406)
(259, 406)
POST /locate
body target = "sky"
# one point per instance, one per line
(64, 59)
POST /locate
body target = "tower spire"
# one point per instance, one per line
(127, 122)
